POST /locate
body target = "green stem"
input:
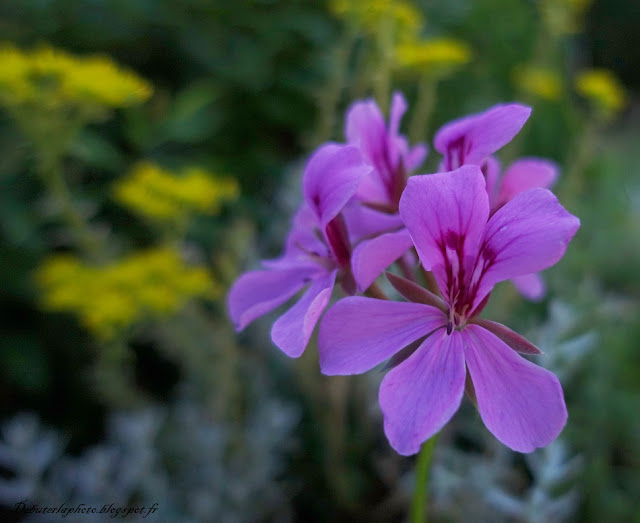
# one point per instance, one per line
(419, 502)
(382, 76)
(580, 159)
(50, 170)
(423, 108)
(330, 96)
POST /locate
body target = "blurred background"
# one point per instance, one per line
(151, 151)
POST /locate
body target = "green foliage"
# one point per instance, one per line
(245, 88)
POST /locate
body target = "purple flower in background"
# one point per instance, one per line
(392, 159)
(386, 150)
(472, 139)
(469, 251)
(317, 252)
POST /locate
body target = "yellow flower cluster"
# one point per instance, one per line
(540, 82)
(369, 15)
(162, 195)
(603, 90)
(108, 298)
(53, 78)
(434, 56)
(563, 17)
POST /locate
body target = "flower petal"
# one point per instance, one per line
(471, 139)
(366, 128)
(362, 221)
(331, 178)
(491, 171)
(421, 394)
(257, 292)
(525, 174)
(435, 207)
(371, 257)
(521, 403)
(359, 333)
(528, 234)
(531, 286)
(292, 331)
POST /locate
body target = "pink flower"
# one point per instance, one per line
(384, 237)
(317, 252)
(472, 140)
(386, 150)
(469, 251)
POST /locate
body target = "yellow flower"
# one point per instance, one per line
(109, 298)
(159, 194)
(369, 15)
(53, 78)
(603, 90)
(435, 56)
(99, 80)
(539, 81)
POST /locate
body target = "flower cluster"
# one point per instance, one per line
(370, 15)
(467, 227)
(540, 82)
(603, 90)
(53, 78)
(159, 194)
(435, 56)
(108, 298)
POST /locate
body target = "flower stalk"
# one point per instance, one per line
(419, 502)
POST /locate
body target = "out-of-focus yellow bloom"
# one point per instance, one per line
(603, 90)
(369, 15)
(436, 56)
(109, 298)
(159, 194)
(540, 82)
(52, 78)
(563, 17)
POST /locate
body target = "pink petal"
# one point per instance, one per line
(415, 156)
(491, 171)
(531, 286)
(292, 331)
(479, 135)
(437, 206)
(371, 257)
(331, 178)
(257, 292)
(421, 394)
(525, 174)
(372, 189)
(528, 234)
(520, 403)
(362, 221)
(359, 333)
(398, 108)
(367, 129)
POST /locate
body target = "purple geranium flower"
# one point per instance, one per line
(468, 140)
(472, 140)
(448, 217)
(318, 251)
(392, 159)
